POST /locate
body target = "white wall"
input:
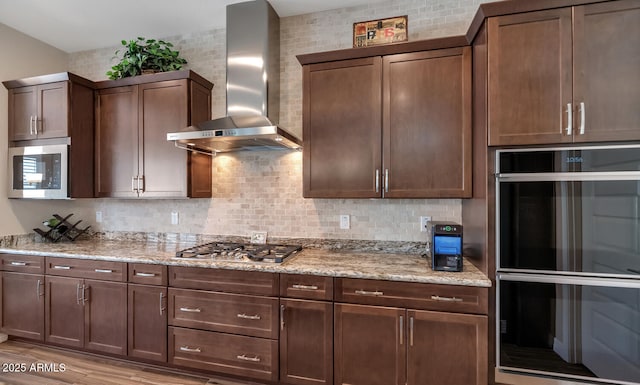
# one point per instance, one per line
(263, 190)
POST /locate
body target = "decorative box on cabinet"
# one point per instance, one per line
(565, 75)
(133, 157)
(389, 122)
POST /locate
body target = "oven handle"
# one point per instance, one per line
(567, 176)
(569, 280)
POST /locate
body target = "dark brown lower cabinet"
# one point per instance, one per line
(369, 345)
(64, 313)
(86, 314)
(306, 342)
(377, 345)
(224, 353)
(22, 305)
(147, 323)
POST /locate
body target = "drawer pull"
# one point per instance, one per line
(304, 287)
(59, 267)
(445, 299)
(245, 316)
(109, 271)
(145, 274)
(245, 358)
(15, 263)
(365, 292)
(190, 310)
(190, 350)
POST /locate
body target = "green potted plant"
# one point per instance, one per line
(143, 56)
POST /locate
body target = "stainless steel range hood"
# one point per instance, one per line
(253, 88)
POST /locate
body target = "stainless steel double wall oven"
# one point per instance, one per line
(568, 265)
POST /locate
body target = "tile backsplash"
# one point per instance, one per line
(262, 191)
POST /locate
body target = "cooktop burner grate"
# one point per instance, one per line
(240, 252)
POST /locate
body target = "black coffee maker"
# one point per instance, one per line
(446, 246)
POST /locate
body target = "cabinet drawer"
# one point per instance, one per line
(223, 312)
(425, 296)
(33, 264)
(230, 281)
(224, 353)
(84, 268)
(148, 274)
(306, 286)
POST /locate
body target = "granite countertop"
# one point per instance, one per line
(392, 266)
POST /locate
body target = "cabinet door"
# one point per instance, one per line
(306, 342)
(530, 78)
(147, 325)
(22, 305)
(163, 107)
(446, 348)
(22, 110)
(64, 313)
(369, 345)
(427, 124)
(53, 110)
(105, 325)
(607, 71)
(342, 129)
(117, 142)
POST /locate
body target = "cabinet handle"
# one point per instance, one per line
(31, 120)
(386, 180)
(190, 310)
(401, 329)
(84, 298)
(134, 184)
(445, 299)
(35, 125)
(245, 316)
(78, 293)
(38, 292)
(281, 317)
(141, 184)
(145, 274)
(190, 350)
(304, 287)
(582, 117)
(162, 308)
(365, 292)
(60, 267)
(103, 271)
(410, 331)
(569, 120)
(377, 180)
(15, 263)
(245, 358)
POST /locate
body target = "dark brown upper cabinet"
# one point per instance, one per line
(133, 156)
(565, 75)
(397, 125)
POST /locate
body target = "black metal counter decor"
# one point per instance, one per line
(61, 228)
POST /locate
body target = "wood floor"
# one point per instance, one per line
(41, 363)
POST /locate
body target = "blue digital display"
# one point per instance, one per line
(447, 245)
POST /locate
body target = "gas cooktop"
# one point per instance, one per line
(239, 252)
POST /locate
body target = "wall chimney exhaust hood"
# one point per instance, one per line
(253, 88)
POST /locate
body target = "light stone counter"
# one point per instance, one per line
(407, 267)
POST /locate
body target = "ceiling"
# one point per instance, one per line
(80, 25)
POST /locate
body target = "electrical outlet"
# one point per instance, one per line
(98, 216)
(175, 219)
(424, 223)
(345, 221)
(259, 237)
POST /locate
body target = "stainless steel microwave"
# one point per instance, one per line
(39, 172)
